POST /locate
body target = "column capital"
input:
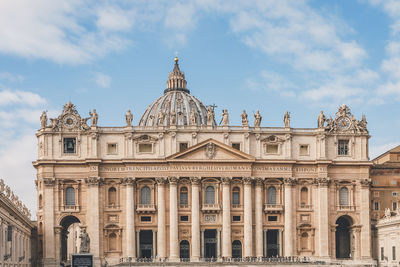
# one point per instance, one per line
(226, 180)
(172, 180)
(49, 181)
(365, 183)
(57, 229)
(94, 181)
(247, 180)
(322, 181)
(195, 180)
(161, 180)
(128, 181)
(290, 181)
(259, 181)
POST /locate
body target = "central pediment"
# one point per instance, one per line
(210, 150)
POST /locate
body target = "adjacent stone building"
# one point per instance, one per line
(17, 231)
(179, 187)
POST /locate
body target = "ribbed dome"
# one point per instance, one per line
(177, 106)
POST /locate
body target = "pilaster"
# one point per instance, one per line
(248, 218)
(226, 218)
(195, 255)
(173, 220)
(161, 245)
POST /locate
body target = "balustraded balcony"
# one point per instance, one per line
(210, 207)
(304, 206)
(273, 208)
(146, 208)
(70, 208)
(346, 208)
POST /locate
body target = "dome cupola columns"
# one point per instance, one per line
(176, 79)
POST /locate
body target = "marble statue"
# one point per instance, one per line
(257, 119)
(387, 213)
(172, 118)
(85, 241)
(286, 119)
(95, 117)
(210, 116)
(193, 117)
(225, 117)
(1, 186)
(84, 123)
(128, 118)
(161, 117)
(245, 120)
(43, 120)
(54, 123)
(321, 119)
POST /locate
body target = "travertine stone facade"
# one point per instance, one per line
(179, 187)
(17, 231)
(388, 239)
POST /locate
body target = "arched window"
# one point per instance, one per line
(40, 201)
(210, 195)
(112, 196)
(344, 196)
(145, 195)
(184, 249)
(70, 196)
(271, 195)
(236, 249)
(236, 196)
(112, 242)
(304, 196)
(304, 241)
(183, 196)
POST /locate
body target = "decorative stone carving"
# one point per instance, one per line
(95, 136)
(258, 136)
(128, 181)
(194, 135)
(346, 122)
(85, 241)
(69, 120)
(387, 213)
(94, 181)
(128, 118)
(210, 150)
(94, 117)
(195, 180)
(1, 186)
(257, 119)
(172, 117)
(43, 120)
(225, 117)
(226, 135)
(245, 120)
(161, 118)
(173, 180)
(247, 180)
(226, 180)
(161, 180)
(286, 119)
(290, 181)
(259, 181)
(210, 116)
(323, 181)
(193, 117)
(365, 182)
(321, 120)
(49, 181)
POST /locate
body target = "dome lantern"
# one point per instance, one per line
(176, 79)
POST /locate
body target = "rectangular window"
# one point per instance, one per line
(394, 182)
(183, 146)
(236, 146)
(394, 204)
(145, 218)
(9, 233)
(376, 194)
(272, 218)
(376, 206)
(343, 147)
(304, 150)
(394, 253)
(69, 145)
(395, 194)
(382, 256)
(184, 218)
(375, 182)
(112, 149)
(146, 148)
(272, 149)
(236, 218)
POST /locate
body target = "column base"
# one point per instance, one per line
(174, 260)
(195, 259)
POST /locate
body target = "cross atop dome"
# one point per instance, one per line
(176, 79)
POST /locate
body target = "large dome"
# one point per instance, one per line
(177, 106)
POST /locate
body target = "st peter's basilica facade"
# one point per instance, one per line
(179, 187)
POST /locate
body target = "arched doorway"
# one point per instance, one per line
(236, 249)
(70, 228)
(184, 249)
(343, 237)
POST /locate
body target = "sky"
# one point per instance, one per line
(273, 56)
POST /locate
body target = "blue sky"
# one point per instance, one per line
(300, 56)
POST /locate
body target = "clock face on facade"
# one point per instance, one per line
(69, 121)
(343, 123)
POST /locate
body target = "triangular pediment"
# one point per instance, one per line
(211, 150)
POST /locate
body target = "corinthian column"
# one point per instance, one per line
(226, 218)
(289, 230)
(50, 247)
(161, 218)
(258, 215)
(173, 220)
(365, 219)
(195, 219)
(248, 219)
(323, 212)
(130, 217)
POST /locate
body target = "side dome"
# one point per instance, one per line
(177, 106)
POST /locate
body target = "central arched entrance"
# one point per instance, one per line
(69, 234)
(343, 237)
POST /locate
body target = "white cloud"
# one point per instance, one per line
(112, 18)
(378, 150)
(9, 77)
(389, 88)
(102, 79)
(8, 97)
(335, 91)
